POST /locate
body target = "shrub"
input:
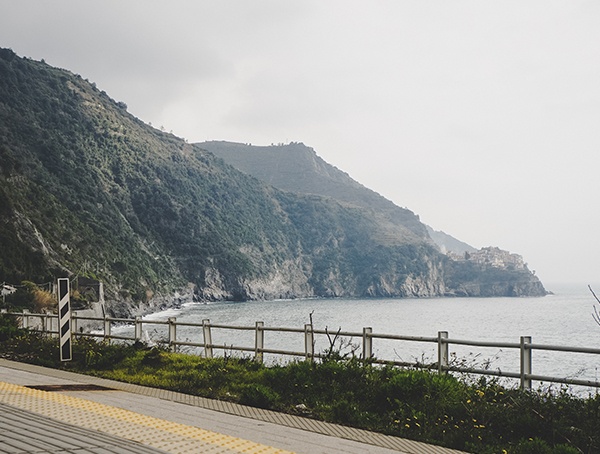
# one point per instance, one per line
(258, 395)
(30, 296)
(9, 328)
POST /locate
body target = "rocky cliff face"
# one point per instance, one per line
(284, 281)
(292, 281)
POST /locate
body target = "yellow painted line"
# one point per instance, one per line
(166, 435)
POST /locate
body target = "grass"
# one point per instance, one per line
(482, 416)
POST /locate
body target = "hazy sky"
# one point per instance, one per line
(483, 117)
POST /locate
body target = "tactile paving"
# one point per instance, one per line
(23, 432)
(160, 434)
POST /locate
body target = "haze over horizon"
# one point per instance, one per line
(479, 116)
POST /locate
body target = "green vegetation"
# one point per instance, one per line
(29, 296)
(297, 168)
(481, 416)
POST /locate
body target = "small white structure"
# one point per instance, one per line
(7, 290)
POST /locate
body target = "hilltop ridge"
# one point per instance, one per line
(297, 168)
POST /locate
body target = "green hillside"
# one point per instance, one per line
(297, 168)
(87, 189)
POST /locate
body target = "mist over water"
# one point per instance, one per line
(564, 318)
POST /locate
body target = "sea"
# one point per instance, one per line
(564, 318)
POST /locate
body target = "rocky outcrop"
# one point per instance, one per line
(496, 289)
(491, 272)
(285, 282)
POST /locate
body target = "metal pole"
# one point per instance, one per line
(443, 348)
(173, 333)
(309, 345)
(208, 350)
(367, 343)
(525, 362)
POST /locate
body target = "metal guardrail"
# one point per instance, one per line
(525, 345)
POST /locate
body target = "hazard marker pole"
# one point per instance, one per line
(64, 320)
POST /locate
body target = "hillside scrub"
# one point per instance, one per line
(481, 416)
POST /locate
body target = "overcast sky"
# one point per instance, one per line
(483, 117)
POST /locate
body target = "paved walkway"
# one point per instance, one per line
(54, 411)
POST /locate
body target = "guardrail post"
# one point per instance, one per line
(525, 362)
(309, 342)
(259, 343)
(367, 343)
(46, 328)
(208, 350)
(74, 322)
(25, 319)
(138, 329)
(173, 333)
(443, 348)
(107, 330)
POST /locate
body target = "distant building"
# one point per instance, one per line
(7, 290)
(491, 257)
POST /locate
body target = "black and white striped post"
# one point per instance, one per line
(64, 320)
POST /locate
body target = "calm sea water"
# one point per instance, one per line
(564, 318)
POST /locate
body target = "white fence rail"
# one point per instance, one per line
(48, 323)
